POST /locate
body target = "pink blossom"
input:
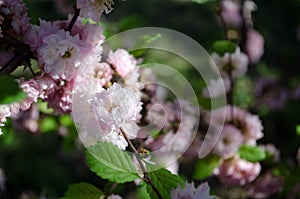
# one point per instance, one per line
(236, 171)
(32, 90)
(217, 87)
(265, 186)
(4, 113)
(160, 114)
(230, 141)
(16, 10)
(147, 77)
(236, 63)
(27, 120)
(61, 54)
(190, 192)
(249, 125)
(113, 196)
(94, 8)
(230, 13)
(254, 45)
(117, 108)
(132, 80)
(61, 99)
(100, 72)
(35, 35)
(122, 61)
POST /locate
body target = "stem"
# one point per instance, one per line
(137, 155)
(75, 16)
(111, 190)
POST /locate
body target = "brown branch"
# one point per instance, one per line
(23, 54)
(73, 20)
(137, 155)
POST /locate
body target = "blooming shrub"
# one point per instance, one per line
(142, 127)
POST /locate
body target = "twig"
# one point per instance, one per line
(23, 54)
(137, 155)
(73, 20)
(111, 190)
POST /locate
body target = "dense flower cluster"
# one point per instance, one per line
(189, 191)
(113, 99)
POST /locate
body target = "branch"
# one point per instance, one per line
(137, 155)
(73, 20)
(23, 53)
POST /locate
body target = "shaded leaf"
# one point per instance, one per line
(224, 46)
(10, 91)
(83, 191)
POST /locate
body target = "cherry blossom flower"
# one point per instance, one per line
(230, 141)
(32, 90)
(265, 186)
(100, 72)
(254, 45)
(217, 87)
(35, 35)
(94, 8)
(249, 125)
(122, 61)
(117, 108)
(113, 196)
(4, 113)
(230, 13)
(61, 99)
(61, 54)
(16, 11)
(179, 120)
(189, 191)
(236, 63)
(236, 171)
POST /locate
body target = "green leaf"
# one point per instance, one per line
(83, 191)
(205, 166)
(141, 46)
(10, 91)
(298, 130)
(43, 107)
(251, 153)
(48, 124)
(142, 191)
(201, 1)
(111, 163)
(224, 46)
(163, 180)
(66, 120)
(88, 20)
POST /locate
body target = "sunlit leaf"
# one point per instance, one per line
(251, 153)
(111, 163)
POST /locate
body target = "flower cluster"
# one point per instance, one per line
(189, 191)
(68, 53)
(178, 123)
